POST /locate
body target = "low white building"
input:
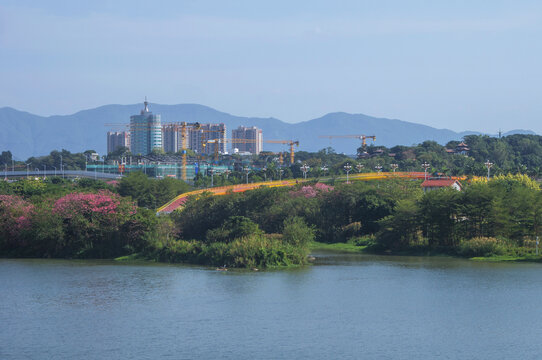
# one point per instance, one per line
(433, 184)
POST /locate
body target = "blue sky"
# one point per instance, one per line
(463, 65)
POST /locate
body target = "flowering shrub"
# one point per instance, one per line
(15, 216)
(311, 191)
(93, 223)
(323, 187)
(113, 183)
(104, 202)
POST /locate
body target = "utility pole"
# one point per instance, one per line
(488, 165)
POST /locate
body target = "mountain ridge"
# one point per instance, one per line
(26, 134)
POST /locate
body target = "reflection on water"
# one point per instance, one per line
(344, 306)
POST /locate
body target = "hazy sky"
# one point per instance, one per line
(473, 65)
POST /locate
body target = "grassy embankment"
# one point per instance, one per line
(343, 247)
(351, 247)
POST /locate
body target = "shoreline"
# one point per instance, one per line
(354, 249)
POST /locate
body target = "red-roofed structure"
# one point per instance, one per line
(433, 184)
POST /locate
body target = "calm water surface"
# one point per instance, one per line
(346, 306)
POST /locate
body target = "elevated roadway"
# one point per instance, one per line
(179, 201)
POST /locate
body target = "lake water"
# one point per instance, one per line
(343, 307)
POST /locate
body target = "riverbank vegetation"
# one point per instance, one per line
(267, 227)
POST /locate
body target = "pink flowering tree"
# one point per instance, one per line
(311, 191)
(113, 183)
(92, 222)
(15, 220)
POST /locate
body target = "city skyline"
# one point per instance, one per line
(461, 66)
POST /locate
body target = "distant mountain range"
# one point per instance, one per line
(26, 135)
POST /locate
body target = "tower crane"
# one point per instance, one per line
(289, 142)
(363, 139)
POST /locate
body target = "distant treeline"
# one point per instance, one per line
(513, 154)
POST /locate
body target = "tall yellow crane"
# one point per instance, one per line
(184, 127)
(363, 138)
(289, 142)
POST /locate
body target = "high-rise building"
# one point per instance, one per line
(198, 138)
(254, 137)
(116, 139)
(145, 132)
(171, 138)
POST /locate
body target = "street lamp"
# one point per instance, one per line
(44, 171)
(324, 169)
(378, 168)
(247, 170)
(394, 167)
(6, 172)
(227, 172)
(425, 166)
(305, 168)
(359, 167)
(347, 168)
(280, 174)
(27, 170)
(55, 170)
(212, 171)
(264, 169)
(488, 165)
(61, 167)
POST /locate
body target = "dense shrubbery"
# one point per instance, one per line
(150, 193)
(507, 207)
(58, 218)
(268, 226)
(481, 246)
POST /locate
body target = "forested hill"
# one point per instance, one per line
(26, 134)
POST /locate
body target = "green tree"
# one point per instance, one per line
(296, 232)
